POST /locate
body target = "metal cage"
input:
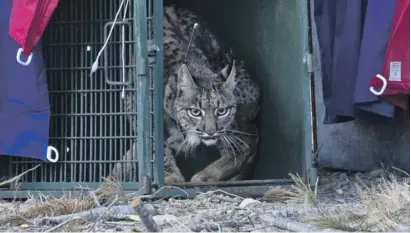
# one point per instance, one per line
(89, 125)
(93, 130)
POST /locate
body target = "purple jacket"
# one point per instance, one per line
(24, 99)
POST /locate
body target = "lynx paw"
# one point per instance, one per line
(203, 177)
(173, 179)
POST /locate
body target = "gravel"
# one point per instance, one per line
(212, 211)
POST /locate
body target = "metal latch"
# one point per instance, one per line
(308, 60)
(107, 26)
(147, 185)
(152, 52)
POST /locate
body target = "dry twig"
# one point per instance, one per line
(61, 224)
(227, 193)
(145, 216)
(115, 212)
(19, 176)
(102, 214)
(292, 225)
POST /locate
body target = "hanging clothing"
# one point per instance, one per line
(24, 99)
(344, 41)
(28, 21)
(377, 25)
(396, 69)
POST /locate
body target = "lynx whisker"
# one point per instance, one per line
(182, 144)
(234, 143)
(239, 139)
(224, 144)
(240, 132)
(229, 144)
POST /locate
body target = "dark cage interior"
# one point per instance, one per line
(271, 36)
(89, 125)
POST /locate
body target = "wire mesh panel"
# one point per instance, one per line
(91, 128)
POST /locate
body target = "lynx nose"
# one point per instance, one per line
(209, 139)
(210, 136)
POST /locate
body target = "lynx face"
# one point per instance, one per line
(204, 111)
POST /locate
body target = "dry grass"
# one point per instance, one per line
(300, 192)
(69, 203)
(382, 207)
(277, 194)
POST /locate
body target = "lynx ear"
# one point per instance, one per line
(230, 82)
(185, 80)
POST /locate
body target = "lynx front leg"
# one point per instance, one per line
(217, 171)
(172, 173)
(236, 154)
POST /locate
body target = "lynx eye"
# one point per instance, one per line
(194, 112)
(222, 112)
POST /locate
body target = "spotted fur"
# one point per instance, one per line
(209, 100)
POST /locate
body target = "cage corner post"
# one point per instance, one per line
(158, 93)
(142, 99)
(310, 139)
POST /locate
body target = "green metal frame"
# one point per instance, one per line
(307, 171)
(158, 93)
(148, 51)
(144, 150)
(53, 177)
(310, 142)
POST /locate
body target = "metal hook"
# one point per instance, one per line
(51, 149)
(384, 85)
(18, 55)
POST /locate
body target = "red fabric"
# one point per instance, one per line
(398, 50)
(28, 20)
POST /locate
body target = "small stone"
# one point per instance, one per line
(247, 202)
(339, 191)
(339, 200)
(201, 196)
(343, 177)
(376, 173)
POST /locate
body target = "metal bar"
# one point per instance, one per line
(235, 183)
(91, 91)
(37, 186)
(158, 94)
(76, 162)
(95, 137)
(143, 126)
(308, 172)
(312, 86)
(107, 28)
(92, 114)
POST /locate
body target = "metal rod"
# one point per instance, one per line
(235, 183)
(143, 147)
(158, 94)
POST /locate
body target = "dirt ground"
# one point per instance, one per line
(341, 201)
